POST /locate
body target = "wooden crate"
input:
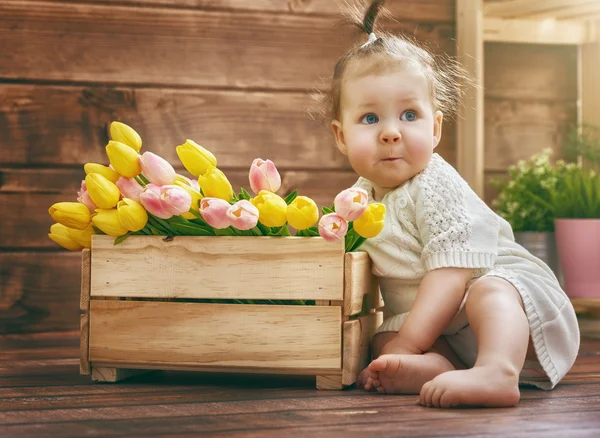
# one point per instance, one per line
(144, 306)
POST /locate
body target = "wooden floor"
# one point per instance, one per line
(43, 395)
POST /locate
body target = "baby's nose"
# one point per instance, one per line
(390, 137)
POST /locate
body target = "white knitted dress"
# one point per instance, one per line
(435, 220)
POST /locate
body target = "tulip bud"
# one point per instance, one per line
(166, 201)
(157, 169)
(243, 215)
(333, 227)
(103, 193)
(131, 214)
(105, 171)
(215, 184)
(351, 203)
(264, 176)
(195, 194)
(82, 237)
(195, 158)
(129, 188)
(271, 209)
(123, 159)
(214, 212)
(371, 222)
(71, 214)
(125, 134)
(84, 197)
(108, 222)
(182, 181)
(60, 234)
(302, 213)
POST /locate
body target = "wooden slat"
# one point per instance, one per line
(228, 335)
(39, 291)
(84, 345)
(173, 46)
(358, 281)
(330, 382)
(590, 88)
(411, 10)
(86, 265)
(68, 126)
(284, 268)
(469, 139)
(357, 335)
(515, 130)
(527, 8)
(536, 31)
(530, 72)
(574, 10)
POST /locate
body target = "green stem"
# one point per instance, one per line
(140, 181)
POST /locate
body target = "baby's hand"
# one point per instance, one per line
(398, 346)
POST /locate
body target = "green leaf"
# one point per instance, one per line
(97, 230)
(256, 231)
(283, 231)
(290, 198)
(326, 210)
(192, 230)
(122, 238)
(244, 194)
(266, 231)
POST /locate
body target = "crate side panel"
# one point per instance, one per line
(285, 268)
(216, 335)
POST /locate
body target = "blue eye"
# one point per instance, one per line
(369, 119)
(409, 116)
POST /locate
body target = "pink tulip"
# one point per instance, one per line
(215, 212)
(243, 215)
(264, 176)
(351, 203)
(157, 169)
(333, 227)
(84, 197)
(129, 188)
(166, 201)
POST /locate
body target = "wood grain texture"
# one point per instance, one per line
(173, 46)
(330, 382)
(39, 291)
(42, 397)
(530, 71)
(411, 10)
(288, 268)
(113, 375)
(84, 345)
(358, 281)
(357, 336)
(229, 335)
(517, 129)
(86, 265)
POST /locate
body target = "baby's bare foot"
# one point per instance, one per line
(406, 373)
(365, 380)
(490, 386)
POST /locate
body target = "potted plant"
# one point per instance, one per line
(524, 201)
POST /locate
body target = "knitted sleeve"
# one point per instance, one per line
(457, 229)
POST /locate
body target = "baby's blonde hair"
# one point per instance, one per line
(443, 73)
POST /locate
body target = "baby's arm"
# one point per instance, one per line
(438, 300)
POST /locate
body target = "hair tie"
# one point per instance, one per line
(372, 38)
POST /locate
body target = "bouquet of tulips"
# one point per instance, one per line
(141, 194)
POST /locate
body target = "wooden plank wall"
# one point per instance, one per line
(234, 75)
(530, 103)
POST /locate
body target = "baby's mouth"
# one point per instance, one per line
(391, 159)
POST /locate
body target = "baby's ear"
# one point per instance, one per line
(438, 119)
(336, 127)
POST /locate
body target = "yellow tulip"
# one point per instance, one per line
(60, 234)
(271, 209)
(131, 214)
(214, 184)
(371, 222)
(125, 134)
(108, 222)
(302, 213)
(195, 158)
(105, 171)
(82, 237)
(123, 159)
(196, 196)
(71, 214)
(104, 193)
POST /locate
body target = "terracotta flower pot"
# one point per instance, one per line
(578, 242)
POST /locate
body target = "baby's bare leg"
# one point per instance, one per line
(402, 373)
(495, 312)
